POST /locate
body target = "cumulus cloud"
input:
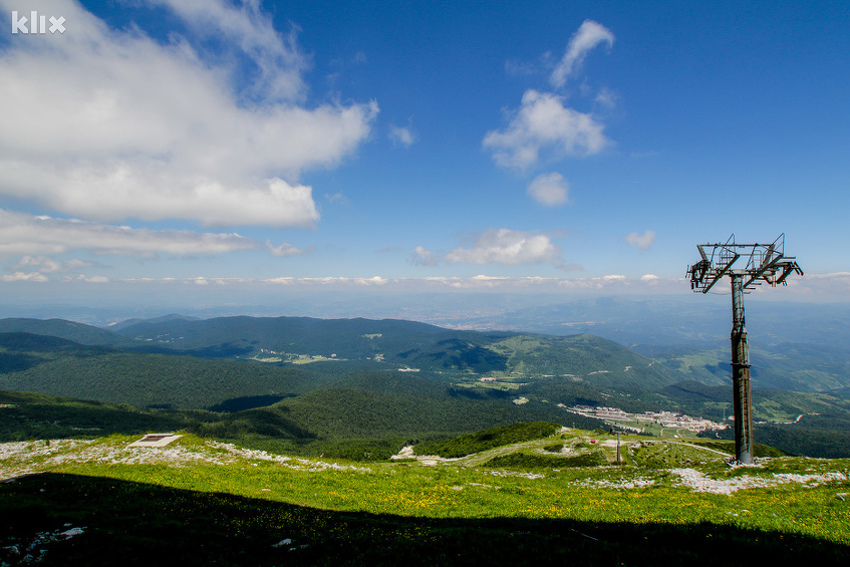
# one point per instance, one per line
(606, 98)
(337, 199)
(26, 235)
(544, 123)
(284, 249)
(47, 265)
(402, 135)
(277, 60)
(616, 281)
(643, 241)
(424, 257)
(110, 124)
(330, 281)
(589, 35)
(819, 287)
(24, 277)
(609, 283)
(550, 189)
(92, 279)
(506, 246)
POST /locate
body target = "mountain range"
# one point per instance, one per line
(314, 380)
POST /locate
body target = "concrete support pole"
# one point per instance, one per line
(741, 391)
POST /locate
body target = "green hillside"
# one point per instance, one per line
(342, 412)
(302, 443)
(38, 364)
(334, 421)
(25, 415)
(539, 495)
(371, 380)
(248, 336)
(402, 344)
(388, 343)
(68, 330)
(789, 366)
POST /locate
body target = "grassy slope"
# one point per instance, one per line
(373, 413)
(391, 513)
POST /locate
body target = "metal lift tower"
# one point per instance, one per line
(748, 265)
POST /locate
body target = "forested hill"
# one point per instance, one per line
(68, 330)
(349, 338)
(359, 377)
(402, 344)
(386, 344)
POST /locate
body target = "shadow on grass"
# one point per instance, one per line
(126, 523)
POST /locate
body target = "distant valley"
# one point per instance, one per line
(310, 382)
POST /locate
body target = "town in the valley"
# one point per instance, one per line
(633, 421)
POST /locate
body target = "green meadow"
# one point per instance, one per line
(534, 501)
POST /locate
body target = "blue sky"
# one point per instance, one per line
(158, 145)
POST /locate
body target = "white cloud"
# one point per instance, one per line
(278, 62)
(610, 283)
(49, 265)
(606, 98)
(518, 68)
(402, 135)
(109, 124)
(833, 286)
(330, 281)
(643, 241)
(506, 246)
(24, 277)
(26, 235)
(92, 279)
(375, 280)
(619, 282)
(284, 249)
(544, 123)
(424, 257)
(823, 287)
(337, 199)
(589, 35)
(550, 189)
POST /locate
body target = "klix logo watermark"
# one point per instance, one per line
(36, 23)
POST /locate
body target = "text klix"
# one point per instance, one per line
(37, 24)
